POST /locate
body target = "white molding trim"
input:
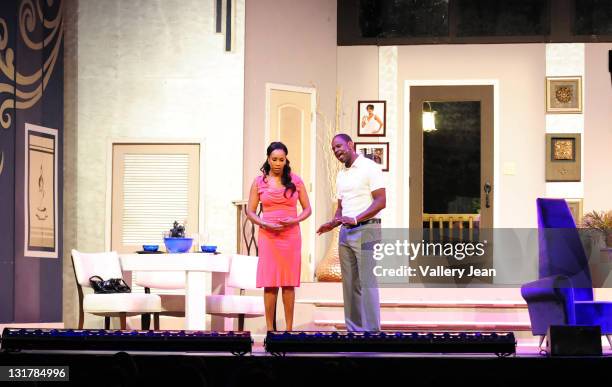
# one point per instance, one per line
(146, 141)
(313, 151)
(563, 59)
(496, 136)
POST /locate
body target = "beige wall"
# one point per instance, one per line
(597, 129)
(289, 42)
(151, 69)
(357, 80)
(519, 71)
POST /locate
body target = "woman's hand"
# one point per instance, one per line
(272, 226)
(288, 222)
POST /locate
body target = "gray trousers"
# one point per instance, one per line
(359, 286)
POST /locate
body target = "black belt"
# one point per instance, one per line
(363, 223)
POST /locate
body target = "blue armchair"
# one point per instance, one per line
(563, 294)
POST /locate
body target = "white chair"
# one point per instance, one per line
(242, 275)
(122, 305)
(171, 304)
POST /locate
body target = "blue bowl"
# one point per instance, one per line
(208, 248)
(150, 247)
(178, 245)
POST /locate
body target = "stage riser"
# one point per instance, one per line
(436, 314)
(425, 309)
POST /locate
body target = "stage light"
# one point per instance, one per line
(14, 339)
(502, 344)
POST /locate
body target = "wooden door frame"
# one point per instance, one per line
(497, 188)
(150, 141)
(313, 150)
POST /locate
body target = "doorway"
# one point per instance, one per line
(452, 174)
(290, 118)
(451, 157)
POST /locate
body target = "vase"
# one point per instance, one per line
(328, 269)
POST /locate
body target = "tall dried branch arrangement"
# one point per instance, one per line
(599, 221)
(324, 139)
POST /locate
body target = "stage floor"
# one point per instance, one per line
(93, 368)
(259, 351)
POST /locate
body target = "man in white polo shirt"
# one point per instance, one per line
(361, 196)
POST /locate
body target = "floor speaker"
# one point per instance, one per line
(574, 340)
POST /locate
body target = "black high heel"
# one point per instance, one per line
(97, 284)
(119, 285)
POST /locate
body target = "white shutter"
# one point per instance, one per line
(153, 186)
(155, 190)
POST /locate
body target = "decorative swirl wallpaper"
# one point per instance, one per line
(31, 95)
(22, 91)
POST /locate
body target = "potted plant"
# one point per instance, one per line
(601, 223)
(175, 241)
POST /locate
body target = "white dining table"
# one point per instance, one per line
(195, 266)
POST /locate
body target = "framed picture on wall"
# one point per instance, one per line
(371, 118)
(40, 192)
(564, 94)
(375, 151)
(563, 157)
(575, 206)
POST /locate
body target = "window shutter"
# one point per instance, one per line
(155, 194)
(153, 186)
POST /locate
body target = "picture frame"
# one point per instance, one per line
(41, 192)
(563, 157)
(371, 118)
(575, 206)
(375, 151)
(564, 94)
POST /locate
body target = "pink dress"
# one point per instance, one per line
(279, 251)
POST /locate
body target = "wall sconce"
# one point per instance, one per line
(429, 118)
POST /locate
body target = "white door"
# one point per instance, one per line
(290, 119)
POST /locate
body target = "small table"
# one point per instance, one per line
(195, 266)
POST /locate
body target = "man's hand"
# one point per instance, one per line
(348, 220)
(327, 227)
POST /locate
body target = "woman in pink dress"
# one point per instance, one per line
(279, 241)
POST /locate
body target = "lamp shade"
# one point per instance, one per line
(429, 121)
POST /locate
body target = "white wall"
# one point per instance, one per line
(597, 158)
(155, 69)
(562, 60)
(519, 71)
(290, 42)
